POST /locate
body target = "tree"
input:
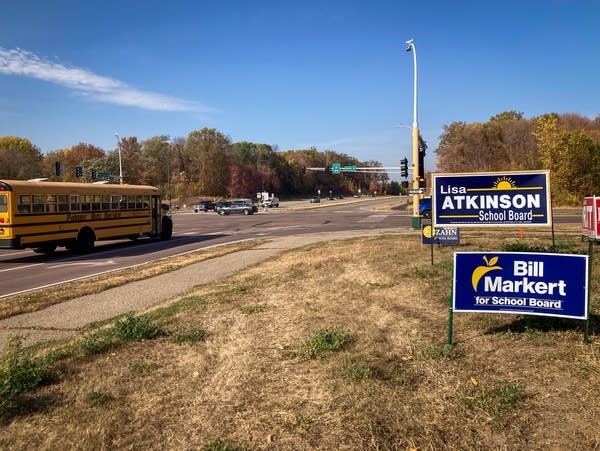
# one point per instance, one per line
(206, 159)
(19, 159)
(156, 161)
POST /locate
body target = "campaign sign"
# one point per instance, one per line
(521, 283)
(492, 199)
(444, 236)
(588, 218)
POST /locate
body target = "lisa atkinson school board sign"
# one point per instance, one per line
(521, 283)
(492, 199)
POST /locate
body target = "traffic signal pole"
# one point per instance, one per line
(416, 218)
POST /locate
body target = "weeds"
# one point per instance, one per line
(135, 328)
(357, 372)
(499, 400)
(435, 352)
(194, 335)
(139, 366)
(19, 373)
(98, 398)
(325, 342)
(258, 308)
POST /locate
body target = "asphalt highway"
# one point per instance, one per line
(24, 270)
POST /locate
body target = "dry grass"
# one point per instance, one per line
(509, 383)
(38, 300)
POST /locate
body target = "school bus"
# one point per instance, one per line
(44, 215)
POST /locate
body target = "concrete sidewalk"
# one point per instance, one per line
(68, 318)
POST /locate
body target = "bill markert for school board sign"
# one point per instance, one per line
(521, 283)
(492, 199)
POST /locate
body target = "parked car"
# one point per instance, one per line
(204, 205)
(272, 202)
(241, 206)
(425, 207)
(315, 200)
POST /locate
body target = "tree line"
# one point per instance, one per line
(566, 144)
(206, 163)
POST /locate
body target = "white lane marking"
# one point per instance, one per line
(374, 218)
(106, 263)
(20, 267)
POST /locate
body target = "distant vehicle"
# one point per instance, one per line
(204, 205)
(339, 196)
(356, 196)
(272, 202)
(330, 197)
(425, 207)
(241, 206)
(315, 200)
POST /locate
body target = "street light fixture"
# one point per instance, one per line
(120, 164)
(416, 219)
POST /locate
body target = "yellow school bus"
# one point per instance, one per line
(43, 215)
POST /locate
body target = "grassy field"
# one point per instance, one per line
(338, 345)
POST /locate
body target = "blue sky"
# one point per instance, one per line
(329, 74)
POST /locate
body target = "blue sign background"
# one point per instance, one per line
(540, 284)
(449, 236)
(467, 199)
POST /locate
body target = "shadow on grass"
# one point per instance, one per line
(546, 324)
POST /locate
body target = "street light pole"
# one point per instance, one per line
(416, 218)
(120, 164)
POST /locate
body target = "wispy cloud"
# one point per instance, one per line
(27, 64)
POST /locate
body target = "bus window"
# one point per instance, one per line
(131, 202)
(50, 203)
(106, 202)
(38, 203)
(63, 203)
(96, 201)
(139, 202)
(86, 202)
(123, 201)
(3, 203)
(23, 205)
(146, 202)
(74, 199)
(114, 202)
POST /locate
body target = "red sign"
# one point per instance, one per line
(588, 218)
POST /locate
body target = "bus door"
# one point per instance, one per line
(156, 223)
(4, 215)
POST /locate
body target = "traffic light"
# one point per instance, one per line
(78, 171)
(404, 167)
(94, 174)
(303, 169)
(58, 168)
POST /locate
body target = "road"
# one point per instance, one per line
(24, 270)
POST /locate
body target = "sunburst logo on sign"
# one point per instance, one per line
(504, 183)
(428, 232)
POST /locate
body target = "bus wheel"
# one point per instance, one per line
(47, 248)
(167, 228)
(85, 240)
